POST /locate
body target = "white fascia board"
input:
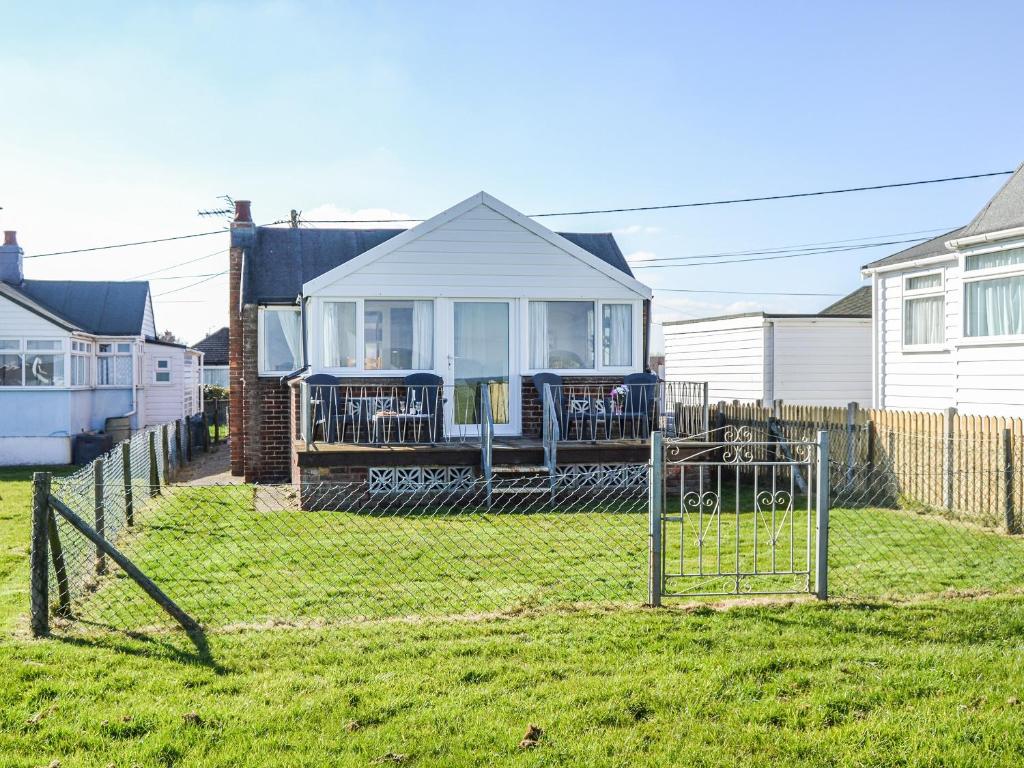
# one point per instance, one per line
(905, 265)
(989, 237)
(317, 284)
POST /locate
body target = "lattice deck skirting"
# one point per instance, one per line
(602, 475)
(420, 479)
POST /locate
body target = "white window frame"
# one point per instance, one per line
(921, 293)
(81, 349)
(980, 275)
(157, 370)
(360, 369)
(23, 352)
(131, 354)
(261, 338)
(599, 368)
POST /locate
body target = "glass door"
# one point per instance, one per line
(481, 357)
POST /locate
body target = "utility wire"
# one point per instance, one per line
(704, 203)
(190, 285)
(180, 264)
(126, 245)
(185, 277)
(747, 293)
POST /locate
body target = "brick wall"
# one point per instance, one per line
(236, 414)
(533, 415)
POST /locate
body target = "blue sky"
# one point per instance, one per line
(120, 120)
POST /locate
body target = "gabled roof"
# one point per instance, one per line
(856, 304)
(283, 260)
(214, 348)
(1004, 211)
(934, 247)
(103, 308)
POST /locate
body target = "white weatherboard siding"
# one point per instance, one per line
(727, 353)
(26, 451)
(18, 322)
(822, 361)
(975, 376)
(163, 402)
(480, 253)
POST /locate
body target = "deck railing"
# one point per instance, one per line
(588, 413)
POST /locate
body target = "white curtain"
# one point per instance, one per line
(538, 335)
(339, 334)
(995, 259)
(924, 320)
(618, 334)
(995, 307)
(422, 335)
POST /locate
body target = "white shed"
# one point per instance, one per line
(822, 359)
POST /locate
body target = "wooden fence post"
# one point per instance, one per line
(206, 433)
(869, 427)
(948, 456)
(99, 509)
(216, 422)
(188, 439)
(1012, 523)
(179, 443)
(154, 474)
(165, 444)
(39, 556)
(59, 567)
(126, 470)
(851, 436)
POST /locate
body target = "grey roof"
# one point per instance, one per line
(104, 308)
(1004, 211)
(214, 348)
(857, 303)
(283, 259)
(934, 247)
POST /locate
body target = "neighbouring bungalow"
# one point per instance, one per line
(347, 345)
(79, 358)
(949, 316)
(809, 359)
(215, 358)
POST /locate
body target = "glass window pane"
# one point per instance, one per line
(38, 345)
(163, 377)
(481, 359)
(10, 344)
(995, 307)
(105, 348)
(997, 259)
(10, 370)
(923, 320)
(339, 334)
(163, 363)
(44, 370)
(123, 370)
(924, 281)
(79, 371)
(124, 348)
(398, 335)
(282, 341)
(561, 334)
(617, 334)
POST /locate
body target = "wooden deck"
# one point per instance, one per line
(508, 451)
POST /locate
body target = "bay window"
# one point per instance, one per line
(924, 310)
(32, 363)
(115, 364)
(280, 340)
(994, 299)
(81, 370)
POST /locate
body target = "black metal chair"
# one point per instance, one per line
(424, 407)
(640, 404)
(323, 402)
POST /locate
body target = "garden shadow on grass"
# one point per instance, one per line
(151, 645)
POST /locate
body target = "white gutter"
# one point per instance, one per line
(901, 265)
(1003, 234)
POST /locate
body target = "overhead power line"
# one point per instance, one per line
(126, 245)
(703, 203)
(190, 285)
(180, 264)
(747, 293)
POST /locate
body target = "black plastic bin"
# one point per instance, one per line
(89, 446)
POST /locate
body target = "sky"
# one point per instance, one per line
(121, 120)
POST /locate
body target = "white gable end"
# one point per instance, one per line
(16, 321)
(479, 248)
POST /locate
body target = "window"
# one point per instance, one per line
(616, 335)
(339, 334)
(81, 370)
(280, 333)
(398, 335)
(994, 305)
(32, 363)
(114, 366)
(924, 310)
(561, 334)
(162, 372)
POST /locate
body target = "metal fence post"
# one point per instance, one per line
(948, 433)
(655, 504)
(99, 508)
(126, 470)
(821, 532)
(38, 559)
(154, 474)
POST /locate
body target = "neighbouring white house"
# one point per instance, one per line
(822, 359)
(81, 357)
(215, 358)
(949, 316)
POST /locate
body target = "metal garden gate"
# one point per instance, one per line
(736, 511)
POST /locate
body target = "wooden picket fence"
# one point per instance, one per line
(969, 467)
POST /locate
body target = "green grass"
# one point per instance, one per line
(931, 683)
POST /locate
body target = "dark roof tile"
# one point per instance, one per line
(214, 348)
(856, 304)
(105, 308)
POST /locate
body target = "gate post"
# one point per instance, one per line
(656, 496)
(821, 532)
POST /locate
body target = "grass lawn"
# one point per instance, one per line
(939, 682)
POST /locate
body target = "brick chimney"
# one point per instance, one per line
(243, 236)
(11, 264)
